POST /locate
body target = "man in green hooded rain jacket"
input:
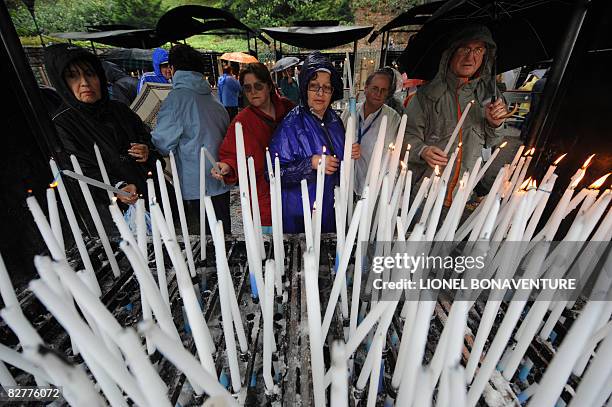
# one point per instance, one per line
(464, 74)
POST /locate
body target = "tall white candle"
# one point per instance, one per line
(187, 363)
(359, 258)
(552, 168)
(7, 292)
(484, 169)
(406, 197)
(165, 199)
(339, 384)
(255, 206)
(226, 312)
(243, 180)
(374, 164)
(593, 382)
(279, 210)
(158, 249)
(319, 204)
(458, 127)
(182, 217)
(268, 325)
(74, 225)
(95, 216)
(103, 170)
(87, 340)
(199, 328)
(150, 292)
(202, 205)
(307, 215)
(153, 387)
(54, 218)
(19, 324)
(311, 276)
(395, 155)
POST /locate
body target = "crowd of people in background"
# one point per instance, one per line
(292, 118)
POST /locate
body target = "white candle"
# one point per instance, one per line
(161, 180)
(199, 328)
(559, 369)
(339, 280)
(14, 358)
(226, 312)
(339, 384)
(406, 197)
(199, 377)
(7, 292)
(279, 206)
(552, 168)
(518, 154)
(149, 291)
(374, 164)
(395, 155)
(311, 276)
(202, 205)
(307, 215)
(21, 326)
(268, 325)
(417, 201)
(87, 341)
(74, 225)
(103, 170)
(255, 206)
(243, 180)
(54, 218)
(593, 382)
(431, 197)
(182, 217)
(317, 216)
(437, 209)
(453, 136)
(158, 249)
(95, 216)
(362, 237)
(484, 169)
(153, 387)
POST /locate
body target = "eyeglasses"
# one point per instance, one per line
(377, 91)
(315, 88)
(465, 51)
(257, 86)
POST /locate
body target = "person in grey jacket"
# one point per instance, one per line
(189, 118)
(464, 74)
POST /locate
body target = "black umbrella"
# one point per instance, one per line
(525, 31)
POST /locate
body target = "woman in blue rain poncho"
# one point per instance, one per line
(301, 138)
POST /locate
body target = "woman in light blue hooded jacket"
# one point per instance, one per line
(189, 118)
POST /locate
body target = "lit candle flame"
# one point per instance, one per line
(409, 147)
(403, 166)
(391, 146)
(588, 162)
(558, 160)
(437, 170)
(597, 184)
(324, 149)
(525, 184)
(149, 174)
(460, 144)
(29, 191)
(504, 144)
(53, 184)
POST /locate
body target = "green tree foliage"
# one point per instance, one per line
(139, 13)
(71, 15)
(267, 13)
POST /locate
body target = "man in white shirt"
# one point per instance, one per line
(369, 115)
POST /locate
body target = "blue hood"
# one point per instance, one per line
(313, 62)
(191, 80)
(160, 56)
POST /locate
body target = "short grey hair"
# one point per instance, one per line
(384, 72)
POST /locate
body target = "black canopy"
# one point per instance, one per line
(318, 37)
(177, 24)
(417, 15)
(185, 21)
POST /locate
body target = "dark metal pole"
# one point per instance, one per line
(384, 62)
(381, 62)
(538, 131)
(354, 61)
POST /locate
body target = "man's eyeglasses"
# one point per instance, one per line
(315, 88)
(257, 86)
(377, 91)
(465, 51)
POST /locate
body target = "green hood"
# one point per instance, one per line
(445, 79)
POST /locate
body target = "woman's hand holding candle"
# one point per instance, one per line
(225, 170)
(129, 199)
(331, 163)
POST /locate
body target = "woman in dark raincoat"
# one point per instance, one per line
(87, 117)
(300, 139)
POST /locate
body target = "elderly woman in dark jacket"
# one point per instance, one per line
(87, 117)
